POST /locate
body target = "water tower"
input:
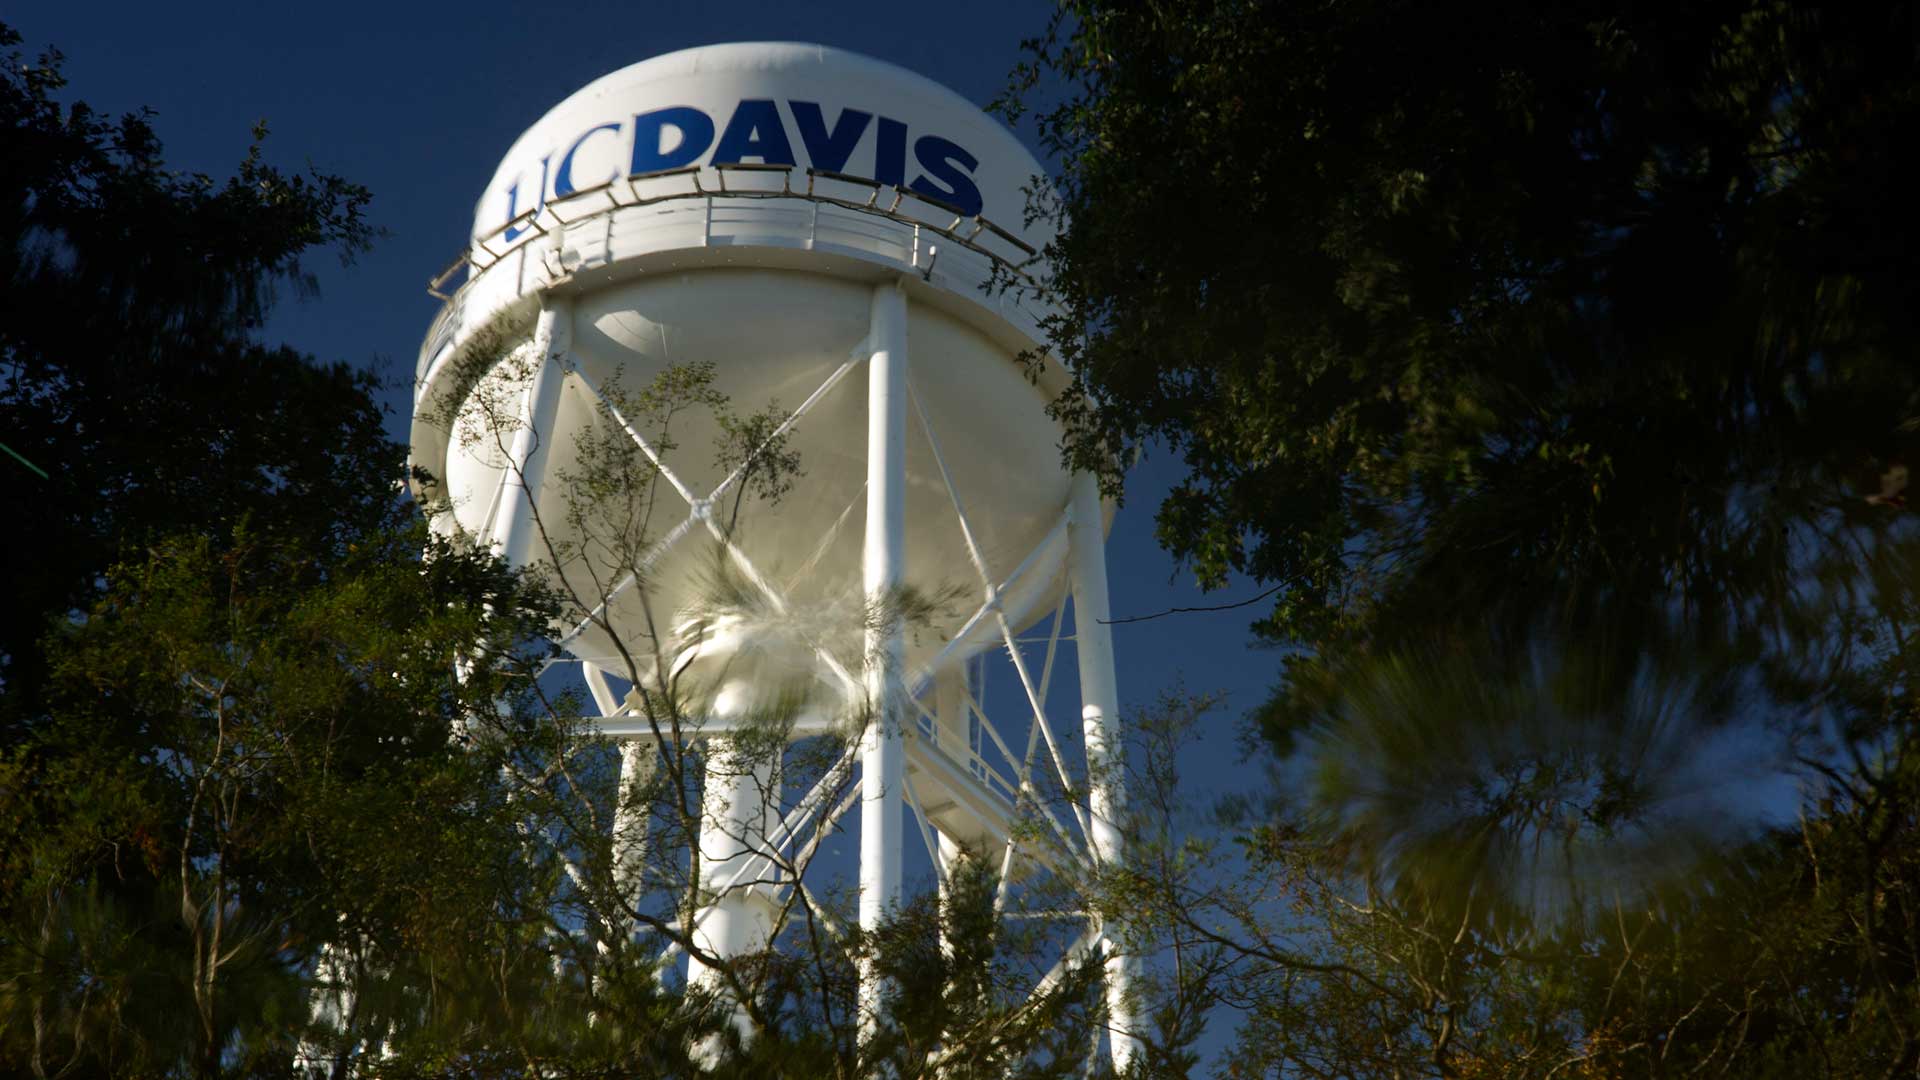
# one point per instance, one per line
(810, 227)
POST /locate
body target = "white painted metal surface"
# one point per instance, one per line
(519, 482)
(1100, 718)
(884, 562)
(737, 816)
(807, 222)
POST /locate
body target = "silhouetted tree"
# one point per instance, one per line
(1558, 367)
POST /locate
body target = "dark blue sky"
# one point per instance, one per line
(419, 106)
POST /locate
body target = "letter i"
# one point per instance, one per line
(890, 153)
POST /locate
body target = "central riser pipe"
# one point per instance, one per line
(740, 806)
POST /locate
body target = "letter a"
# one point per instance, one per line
(754, 131)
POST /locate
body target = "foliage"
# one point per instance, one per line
(1557, 366)
(127, 370)
(245, 762)
(1444, 302)
(1793, 953)
(150, 913)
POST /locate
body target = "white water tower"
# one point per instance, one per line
(819, 227)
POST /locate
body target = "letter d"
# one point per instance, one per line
(650, 152)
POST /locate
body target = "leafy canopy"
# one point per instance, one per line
(1443, 303)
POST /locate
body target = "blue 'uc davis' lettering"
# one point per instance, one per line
(680, 135)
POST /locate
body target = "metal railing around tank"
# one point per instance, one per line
(971, 232)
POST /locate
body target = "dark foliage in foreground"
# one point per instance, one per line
(1558, 366)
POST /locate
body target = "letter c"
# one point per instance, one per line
(563, 176)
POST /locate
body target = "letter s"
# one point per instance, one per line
(939, 157)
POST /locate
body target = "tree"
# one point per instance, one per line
(244, 764)
(1789, 954)
(227, 654)
(1590, 297)
(1539, 358)
(131, 379)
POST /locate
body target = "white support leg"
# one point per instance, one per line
(514, 532)
(952, 735)
(1100, 719)
(883, 753)
(513, 524)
